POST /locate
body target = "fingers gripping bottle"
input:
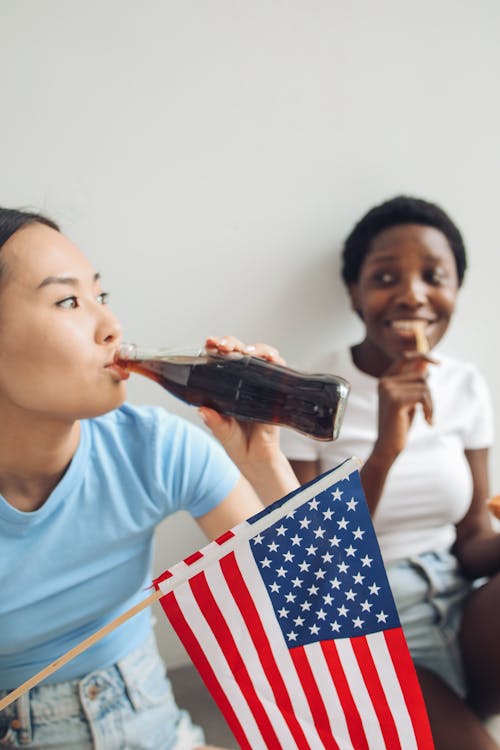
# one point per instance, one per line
(248, 388)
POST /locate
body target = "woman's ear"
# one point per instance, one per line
(353, 296)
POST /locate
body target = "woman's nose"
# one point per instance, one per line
(412, 292)
(108, 327)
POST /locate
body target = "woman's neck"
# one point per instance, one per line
(33, 460)
(369, 359)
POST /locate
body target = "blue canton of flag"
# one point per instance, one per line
(323, 570)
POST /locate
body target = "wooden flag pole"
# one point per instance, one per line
(77, 650)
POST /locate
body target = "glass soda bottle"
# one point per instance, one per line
(245, 387)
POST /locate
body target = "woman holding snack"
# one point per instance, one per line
(84, 481)
(422, 424)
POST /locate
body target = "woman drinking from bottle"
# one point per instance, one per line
(84, 480)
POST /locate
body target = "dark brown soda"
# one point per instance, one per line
(250, 388)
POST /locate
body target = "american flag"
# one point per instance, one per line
(291, 623)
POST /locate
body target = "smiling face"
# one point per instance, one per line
(409, 274)
(57, 337)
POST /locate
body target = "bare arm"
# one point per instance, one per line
(305, 471)
(254, 447)
(400, 390)
(241, 503)
(478, 545)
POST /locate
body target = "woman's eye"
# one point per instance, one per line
(68, 303)
(384, 278)
(103, 298)
(435, 276)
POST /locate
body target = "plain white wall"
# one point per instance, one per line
(210, 155)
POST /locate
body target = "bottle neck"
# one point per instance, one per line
(132, 352)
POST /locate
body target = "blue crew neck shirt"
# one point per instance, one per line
(84, 556)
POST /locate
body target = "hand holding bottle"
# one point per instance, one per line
(251, 388)
(254, 447)
(243, 440)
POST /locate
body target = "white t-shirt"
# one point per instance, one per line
(429, 487)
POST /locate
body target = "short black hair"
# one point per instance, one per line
(402, 209)
(13, 219)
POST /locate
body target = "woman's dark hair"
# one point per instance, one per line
(11, 220)
(400, 210)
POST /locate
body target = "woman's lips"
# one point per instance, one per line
(121, 372)
(405, 330)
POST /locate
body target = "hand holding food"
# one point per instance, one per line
(494, 505)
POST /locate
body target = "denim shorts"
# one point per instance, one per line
(129, 706)
(429, 592)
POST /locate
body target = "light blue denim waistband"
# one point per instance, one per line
(127, 705)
